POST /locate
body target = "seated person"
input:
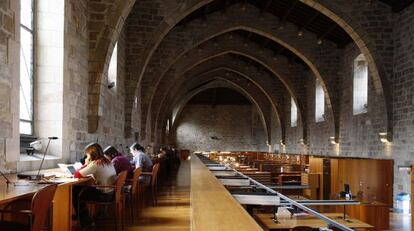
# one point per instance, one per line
(103, 172)
(120, 162)
(141, 160)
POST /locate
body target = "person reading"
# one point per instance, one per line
(120, 162)
(141, 160)
(103, 172)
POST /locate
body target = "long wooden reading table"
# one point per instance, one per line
(62, 202)
(213, 207)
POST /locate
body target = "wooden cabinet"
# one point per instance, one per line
(376, 214)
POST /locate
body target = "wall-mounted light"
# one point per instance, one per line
(300, 33)
(404, 168)
(282, 143)
(111, 85)
(383, 136)
(320, 41)
(301, 141)
(333, 140)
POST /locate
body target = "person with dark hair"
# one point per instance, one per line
(141, 160)
(103, 173)
(120, 162)
(176, 159)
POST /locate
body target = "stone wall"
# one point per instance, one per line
(110, 130)
(72, 98)
(222, 128)
(9, 84)
(403, 96)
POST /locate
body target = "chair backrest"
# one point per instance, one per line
(302, 228)
(135, 180)
(119, 185)
(155, 173)
(41, 203)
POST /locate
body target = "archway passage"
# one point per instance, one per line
(219, 118)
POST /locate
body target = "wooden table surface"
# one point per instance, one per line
(213, 207)
(62, 201)
(285, 222)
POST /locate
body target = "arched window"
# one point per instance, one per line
(113, 67)
(167, 128)
(27, 30)
(360, 90)
(319, 102)
(293, 113)
(41, 71)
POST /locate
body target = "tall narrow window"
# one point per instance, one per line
(167, 128)
(26, 66)
(293, 113)
(319, 102)
(113, 69)
(360, 91)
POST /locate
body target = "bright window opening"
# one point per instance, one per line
(113, 69)
(26, 66)
(319, 102)
(360, 90)
(293, 113)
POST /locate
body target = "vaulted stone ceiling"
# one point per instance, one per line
(280, 46)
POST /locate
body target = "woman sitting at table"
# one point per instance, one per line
(141, 160)
(120, 162)
(103, 172)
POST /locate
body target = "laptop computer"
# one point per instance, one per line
(68, 169)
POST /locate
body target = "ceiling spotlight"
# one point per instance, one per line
(300, 33)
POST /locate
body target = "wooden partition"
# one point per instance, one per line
(369, 179)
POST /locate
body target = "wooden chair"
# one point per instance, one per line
(153, 182)
(302, 228)
(38, 213)
(133, 193)
(117, 201)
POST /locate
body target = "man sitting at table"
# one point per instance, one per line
(103, 172)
